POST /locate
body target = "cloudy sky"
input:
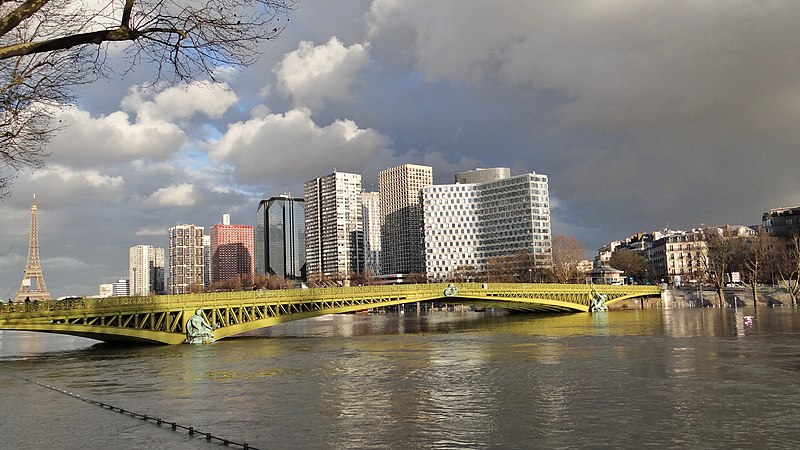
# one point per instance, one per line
(644, 115)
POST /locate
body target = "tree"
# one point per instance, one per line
(466, 274)
(501, 269)
(631, 263)
(49, 47)
(789, 267)
(756, 257)
(271, 282)
(567, 252)
(520, 267)
(721, 255)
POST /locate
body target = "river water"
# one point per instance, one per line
(681, 378)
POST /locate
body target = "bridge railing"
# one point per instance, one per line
(177, 300)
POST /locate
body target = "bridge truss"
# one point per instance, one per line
(162, 319)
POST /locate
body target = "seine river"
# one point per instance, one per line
(681, 378)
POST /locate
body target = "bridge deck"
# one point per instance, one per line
(162, 319)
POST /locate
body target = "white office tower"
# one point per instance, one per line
(486, 214)
(120, 288)
(146, 270)
(186, 259)
(333, 223)
(402, 247)
(371, 216)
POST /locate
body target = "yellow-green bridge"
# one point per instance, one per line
(163, 319)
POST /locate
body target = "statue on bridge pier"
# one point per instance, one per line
(598, 302)
(198, 331)
(451, 290)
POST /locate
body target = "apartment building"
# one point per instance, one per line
(371, 216)
(231, 250)
(146, 270)
(400, 190)
(186, 259)
(333, 226)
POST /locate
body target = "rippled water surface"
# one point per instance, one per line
(686, 378)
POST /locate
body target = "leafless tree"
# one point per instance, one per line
(567, 253)
(631, 263)
(49, 47)
(502, 269)
(721, 255)
(466, 273)
(789, 267)
(756, 259)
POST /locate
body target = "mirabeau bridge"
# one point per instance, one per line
(162, 319)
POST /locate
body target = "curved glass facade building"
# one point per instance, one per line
(280, 240)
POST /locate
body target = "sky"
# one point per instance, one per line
(644, 115)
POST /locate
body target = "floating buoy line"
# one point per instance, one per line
(144, 417)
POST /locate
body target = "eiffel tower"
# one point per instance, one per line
(33, 271)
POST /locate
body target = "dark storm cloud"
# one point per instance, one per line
(650, 113)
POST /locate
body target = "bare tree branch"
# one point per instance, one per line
(567, 253)
(48, 47)
(22, 12)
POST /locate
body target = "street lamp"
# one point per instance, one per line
(530, 274)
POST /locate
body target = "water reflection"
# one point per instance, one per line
(689, 378)
(25, 343)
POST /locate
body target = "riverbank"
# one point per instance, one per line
(692, 297)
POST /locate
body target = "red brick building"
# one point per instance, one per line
(231, 251)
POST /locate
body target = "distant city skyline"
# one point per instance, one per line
(478, 175)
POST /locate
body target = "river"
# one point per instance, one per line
(680, 378)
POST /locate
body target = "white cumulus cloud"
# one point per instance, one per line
(67, 186)
(283, 149)
(92, 141)
(312, 75)
(180, 102)
(176, 195)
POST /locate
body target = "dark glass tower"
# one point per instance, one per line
(280, 239)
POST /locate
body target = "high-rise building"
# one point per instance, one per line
(402, 247)
(334, 229)
(486, 214)
(120, 288)
(206, 260)
(371, 216)
(186, 259)
(146, 270)
(280, 238)
(231, 251)
(158, 276)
